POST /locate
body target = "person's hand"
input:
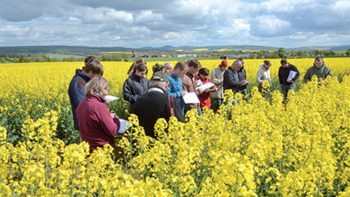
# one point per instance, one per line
(290, 81)
(109, 101)
(206, 90)
(114, 115)
(183, 92)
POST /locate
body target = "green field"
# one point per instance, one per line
(172, 58)
(61, 56)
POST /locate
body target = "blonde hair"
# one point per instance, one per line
(96, 84)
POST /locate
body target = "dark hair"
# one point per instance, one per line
(157, 68)
(132, 67)
(194, 63)
(95, 66)
(203, 71)
(240, 59)
(267, 62)
(284, 61)
(87, 59)
(182, 65)
(141, 67)
(318, 58)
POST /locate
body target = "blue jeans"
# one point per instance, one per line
(219, 102)
(199, 111)
(285, 90)
(244, 92)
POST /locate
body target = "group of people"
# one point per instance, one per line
(163, 95)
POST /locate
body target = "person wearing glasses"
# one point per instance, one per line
(76, 88)
(135, 86)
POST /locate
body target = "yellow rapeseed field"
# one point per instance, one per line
(259, 148)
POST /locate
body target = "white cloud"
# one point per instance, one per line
(176, 22)
(103, 15)
(269, 25)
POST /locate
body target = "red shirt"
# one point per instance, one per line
(204, 98)
(97, 127)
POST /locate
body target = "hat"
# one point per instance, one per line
(160, 76)
(224, 63)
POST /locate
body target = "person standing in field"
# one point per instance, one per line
(76, 89)
(156, 103)
(287, 82)
(132, 67)
(175, 83)
(136, 85)
(264, 75)
(168, 67)
(319, 69)
(190, 85)
(231, 79)
(217, 77)
(242, 75)
(98, 126)
(204, 96)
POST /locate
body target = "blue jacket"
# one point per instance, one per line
(76, 93)
(175, 89)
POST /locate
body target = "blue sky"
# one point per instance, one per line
(139, 23)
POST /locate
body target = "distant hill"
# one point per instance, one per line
(164, 48)
(83, 50)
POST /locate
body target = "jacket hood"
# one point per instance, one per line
(262, 66)
(156, 89)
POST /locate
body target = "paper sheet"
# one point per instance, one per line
(108, 97)
(190, 97)
(205, 86)
(291, 75)
(123, 126)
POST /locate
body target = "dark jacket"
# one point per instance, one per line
(283, 74)
(154, 105)
(322, 73)
(231, 80)
(76, 93)
(242, 75)
(97, 127)
(133, 88)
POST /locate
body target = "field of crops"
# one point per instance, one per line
(262, 148)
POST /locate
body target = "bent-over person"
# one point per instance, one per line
(156, 103)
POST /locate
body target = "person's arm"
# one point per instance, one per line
(185, 84)
(78, 95)
(329, 73)
(280, 75)
(128, 95)
(214, 78)
(171, 91)
(258, 77)
(307, 76)
(231, 82)
(109, 125)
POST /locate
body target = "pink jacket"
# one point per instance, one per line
(97, 127)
